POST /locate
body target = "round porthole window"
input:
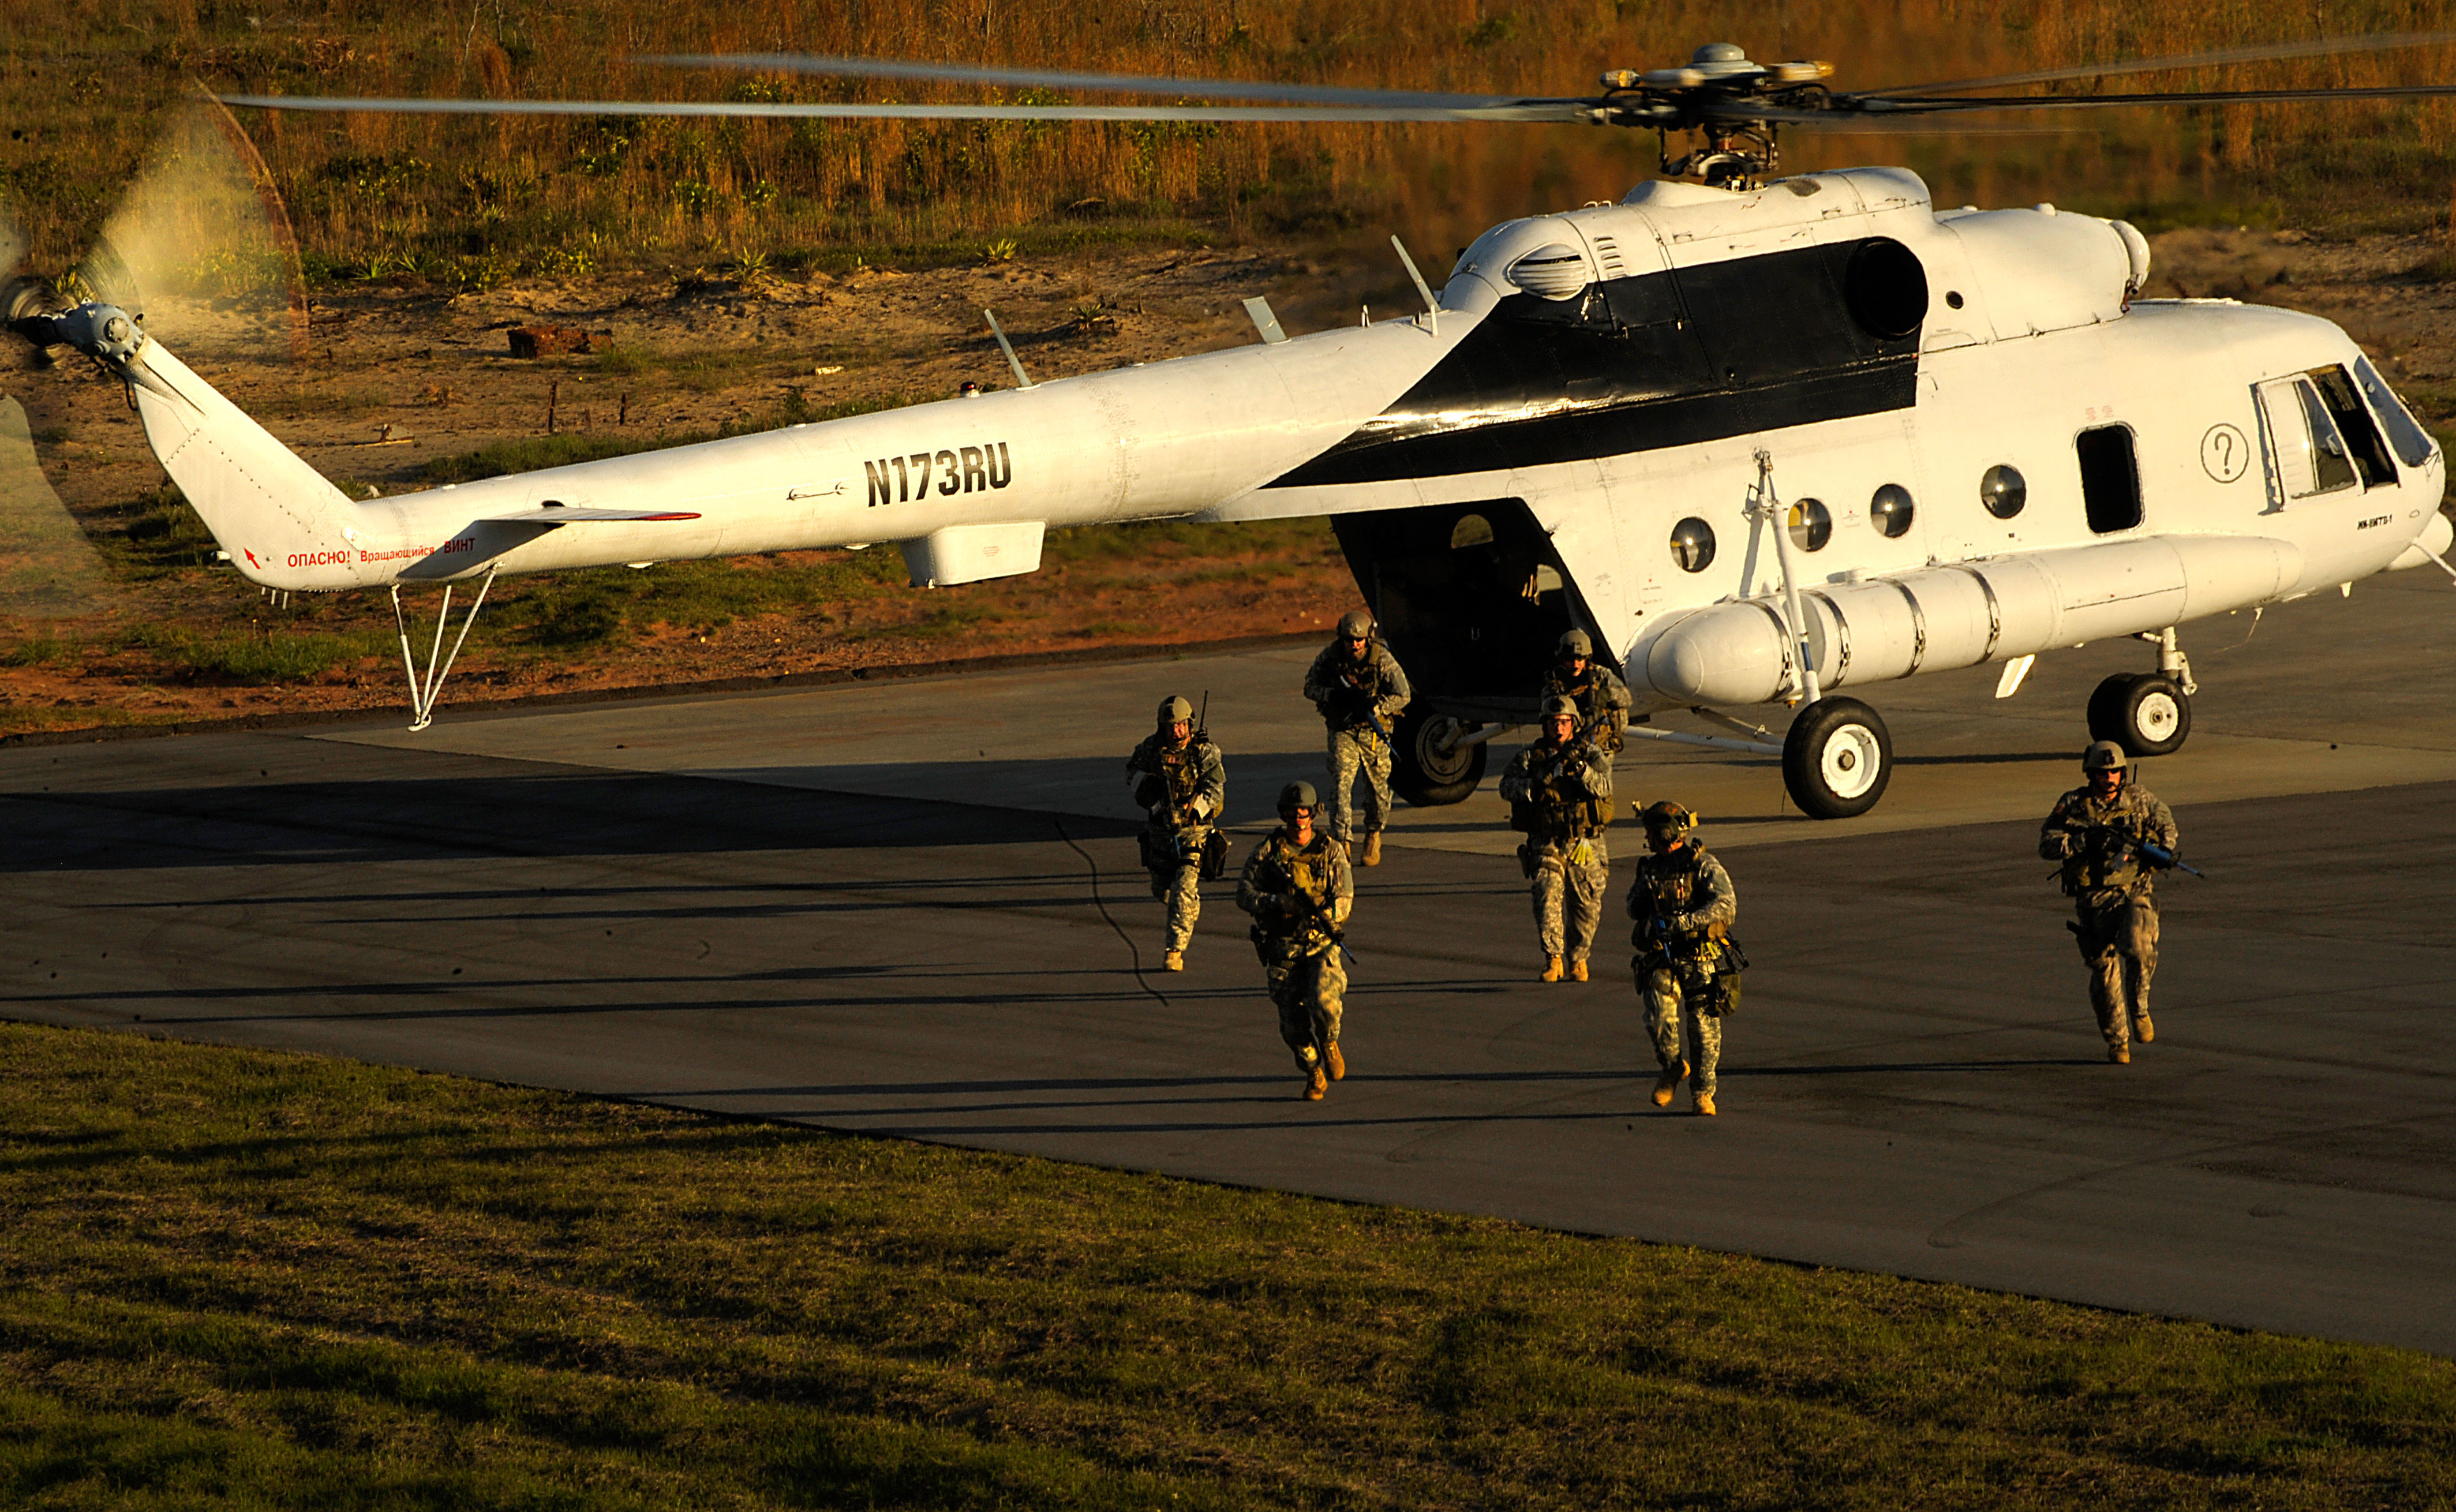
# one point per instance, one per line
(2003, 491)
(1811, 524)
(1889, 511)
(1692, 544)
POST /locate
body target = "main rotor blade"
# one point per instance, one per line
(1052, 79)
(1534, 110)
(2072, 102)
(2223, 58)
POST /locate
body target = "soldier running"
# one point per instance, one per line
(1684, 906)
(1559, 791)
(1357, 685)
(2098, 831)
(1602, 698)
(1298, 887)
(1178, 777)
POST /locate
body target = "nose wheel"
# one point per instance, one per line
(1837, 759)
(2146, 713)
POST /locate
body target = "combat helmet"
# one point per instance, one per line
(1669, 821)
(1355, 624)
(1174, 711)
(1299, 795)
(1577, 644)
(1560, 706)
(2102, 755)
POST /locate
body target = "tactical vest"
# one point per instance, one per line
(2101, 867)
(1181, 769)
(1305, 873)
(1555, 813)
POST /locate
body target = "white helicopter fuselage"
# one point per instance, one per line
(2175, 458)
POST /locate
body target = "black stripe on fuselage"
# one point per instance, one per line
(1634, 365)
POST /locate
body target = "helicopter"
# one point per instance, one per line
(1762, 437)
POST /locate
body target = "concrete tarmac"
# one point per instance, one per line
(911, 908)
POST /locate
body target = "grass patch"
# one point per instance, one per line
(274, 1280)
(280, 654)
(579, 610)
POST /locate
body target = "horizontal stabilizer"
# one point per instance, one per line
(567, 514)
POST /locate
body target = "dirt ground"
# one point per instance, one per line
(399, 373)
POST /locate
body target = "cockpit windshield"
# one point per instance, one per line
(2411, 441)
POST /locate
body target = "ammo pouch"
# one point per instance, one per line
(1723, 993)
(1215, 856)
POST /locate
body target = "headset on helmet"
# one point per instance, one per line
(1668, 820)
(1299, 795)
(2102, 755)
(1577, 643)
(1355, 626)
(1176, 711)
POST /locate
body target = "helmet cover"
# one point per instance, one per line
(1668, 821)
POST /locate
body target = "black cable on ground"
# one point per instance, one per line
(1098, 901)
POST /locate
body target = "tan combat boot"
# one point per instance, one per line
(1551, 969)
(1577, 971)
(1314, 1086)
(1172, 961)
(2143, 1030)
(1665, 1085)
(1705, 1105)
(1336, 1062)
(2120, 1054)
(1372, 856)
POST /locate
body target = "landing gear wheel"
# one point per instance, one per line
(2106, 706)
(1837, 759)
(1427, 775)
(2147, 715)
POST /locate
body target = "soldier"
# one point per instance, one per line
(1178, 777)
(1684, 906)
(1298, 887)
(1560, 793)
(1602, 698)
(1357, 685)
(2098, 830)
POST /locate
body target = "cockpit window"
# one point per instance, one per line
(2310, 456)
(2354, 424)
(2411, 441)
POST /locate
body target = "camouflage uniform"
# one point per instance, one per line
(1300, 899)
(1352, 695)
(1675, 966)
(1183, 788)
(1561, 796)
(1602, 698)
(2111, 884)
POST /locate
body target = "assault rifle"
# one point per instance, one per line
(1362, 696)
(2160, 857)
(1307, 908)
